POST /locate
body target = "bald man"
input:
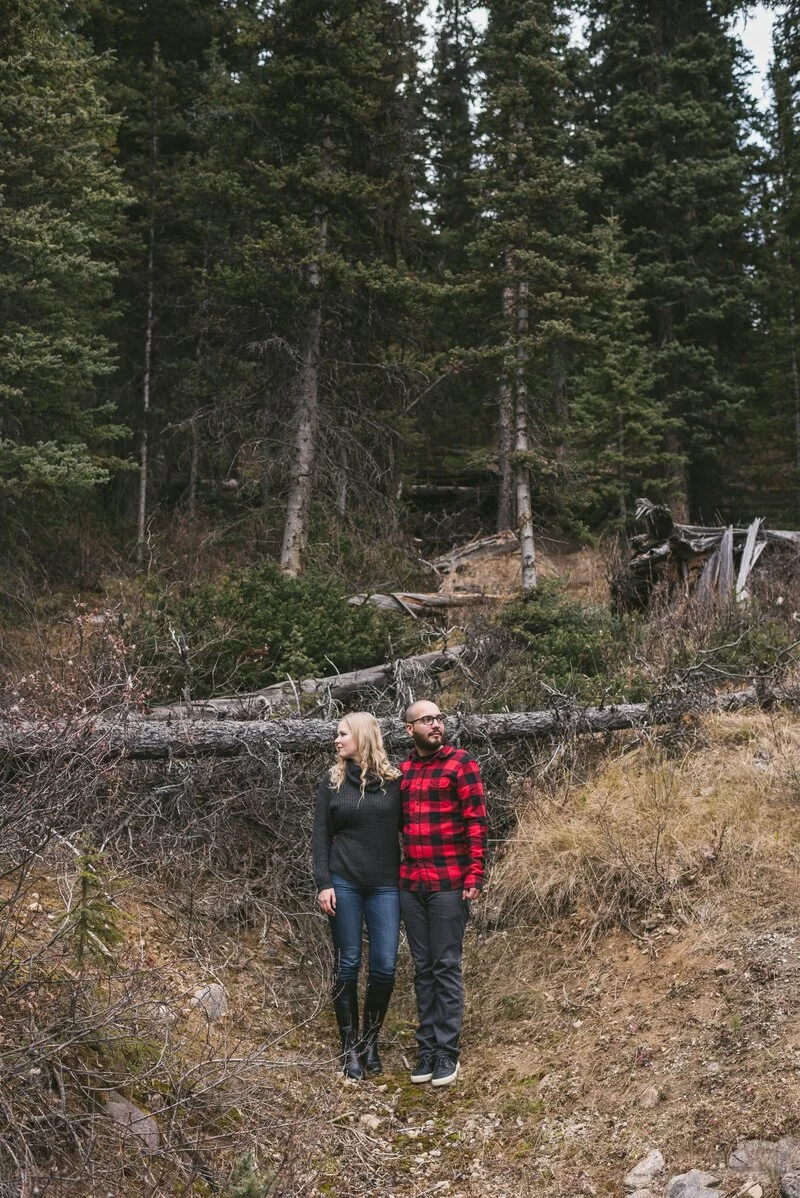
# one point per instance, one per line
(444, 838)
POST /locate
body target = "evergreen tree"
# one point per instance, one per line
(537, 254)
(769, 464)
(451, 135)
(669, 109)
(617, 429)
(165, 52)
(314, 142)
(61, 202)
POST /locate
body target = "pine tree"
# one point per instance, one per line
(668, 106)
(62, 200)
(770, 460)
(617, 428)
(537, 254)
(307, 269)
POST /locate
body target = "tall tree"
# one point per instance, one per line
(669, 107)
(536, 251)
(61, 205)
(770, 461)
(617, 427)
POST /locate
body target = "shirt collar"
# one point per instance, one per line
(441, 753)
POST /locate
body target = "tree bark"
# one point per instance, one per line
(298, 506)
(505, 499)
(141, 507)
(522, 477)
(161, 740)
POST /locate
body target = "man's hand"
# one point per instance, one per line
(470, 893)
(327, 900)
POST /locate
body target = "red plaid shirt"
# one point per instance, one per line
(444, 821)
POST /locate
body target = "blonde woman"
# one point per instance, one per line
(356, 853)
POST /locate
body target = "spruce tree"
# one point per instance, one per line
(769, 464)
(61, 204)
(536, 252)
(617, 428)
(670, 113)
(312, 152)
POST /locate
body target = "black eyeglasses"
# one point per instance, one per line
(428, 720)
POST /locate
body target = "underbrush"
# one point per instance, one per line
(547, 649)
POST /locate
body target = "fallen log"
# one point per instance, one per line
(503, 542)
(260, 704)
(413, 603)
(160, 740)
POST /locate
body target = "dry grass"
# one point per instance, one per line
(655, 832)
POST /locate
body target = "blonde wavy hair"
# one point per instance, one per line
(366, 732)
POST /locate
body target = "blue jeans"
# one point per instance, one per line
(379, 906)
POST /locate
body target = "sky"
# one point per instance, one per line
(756, 33)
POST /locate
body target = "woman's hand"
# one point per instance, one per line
(327, 900)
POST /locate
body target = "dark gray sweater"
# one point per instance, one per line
(357, 836)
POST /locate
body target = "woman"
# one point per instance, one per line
(356, 851)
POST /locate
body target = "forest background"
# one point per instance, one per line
(295, 278)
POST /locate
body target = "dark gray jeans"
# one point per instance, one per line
(435, 922)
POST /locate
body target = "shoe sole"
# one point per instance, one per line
(420, 1078)
(447, 1081)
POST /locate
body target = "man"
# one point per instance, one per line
(444, 837)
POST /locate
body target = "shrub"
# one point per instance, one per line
(574, 649)
(255, 626)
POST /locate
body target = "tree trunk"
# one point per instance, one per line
(505, 498)
(295, 532)
(141, 512)
(163, 740)
(522, 478)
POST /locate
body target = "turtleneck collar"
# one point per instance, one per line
(353, 774)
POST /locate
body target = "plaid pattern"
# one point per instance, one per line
(444, 821)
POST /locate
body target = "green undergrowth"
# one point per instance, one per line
(255, 626)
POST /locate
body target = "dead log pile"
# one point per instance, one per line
(713, 563)
(145, 739)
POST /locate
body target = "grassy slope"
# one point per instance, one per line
(632, 983)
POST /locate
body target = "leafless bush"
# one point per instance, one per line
(123, 888)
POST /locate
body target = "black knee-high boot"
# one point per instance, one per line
(345, 1004)
(376, 1003)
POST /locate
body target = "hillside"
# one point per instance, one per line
(632, 985)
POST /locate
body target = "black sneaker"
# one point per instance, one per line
(423, 1070)
(445, 1071)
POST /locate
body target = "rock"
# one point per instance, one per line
(790, 1186)
(213, 998)
(766, 1158)
(141, 1126)
(644, 1171)
(750, 1189)
(370, 1121)
(694, 1184)
(648, 1098)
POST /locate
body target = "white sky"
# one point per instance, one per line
(756, 33)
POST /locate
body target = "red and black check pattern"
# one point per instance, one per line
(444, 821)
